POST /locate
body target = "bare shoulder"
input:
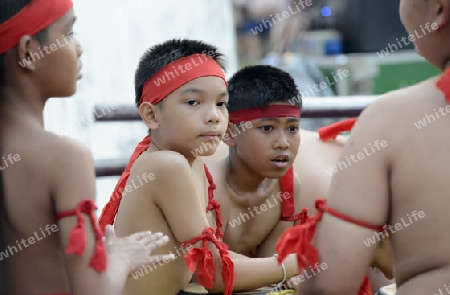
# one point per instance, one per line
(166, 166)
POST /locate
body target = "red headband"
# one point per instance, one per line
(271, 111)
(32, 19)
(178, 73)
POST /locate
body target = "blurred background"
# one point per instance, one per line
(352, 48)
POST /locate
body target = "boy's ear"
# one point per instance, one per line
(442, 13)
(229, 138)
(26, 48)
(150, 114)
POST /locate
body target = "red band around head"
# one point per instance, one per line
(271, 111)
(32, 19)
(178, 73)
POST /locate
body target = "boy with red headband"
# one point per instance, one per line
(258, 201)
(182, 96)
(402, 185)
(47, 193)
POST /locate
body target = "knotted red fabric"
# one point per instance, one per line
(77, 241)
(333, 130)
(297, 239)
(444, 84)
(201, 259)
(33, 18)
(288, 204)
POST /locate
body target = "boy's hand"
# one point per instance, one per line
(135, 250)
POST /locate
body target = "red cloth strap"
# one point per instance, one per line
(177, 73)
(333, 130)
(270, 111)
(288, 204)
(203, 260)
(444, 84)
(77, 241)
(213, 204)
(287, 187)
(111, 208)
(33, 18)
(297, 239)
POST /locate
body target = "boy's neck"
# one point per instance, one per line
(245, 182)
(23, 104)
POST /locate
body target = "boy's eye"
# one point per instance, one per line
(71, 34)
(266, 128)
(192, 102)
(293, 128)
(222, 104)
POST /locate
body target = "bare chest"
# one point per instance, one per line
(248, 226)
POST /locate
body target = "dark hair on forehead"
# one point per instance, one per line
(8, 9)
(159, 56)
(261, 85)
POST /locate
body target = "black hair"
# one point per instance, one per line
(159, 56)
(8, 9)
(260, 85)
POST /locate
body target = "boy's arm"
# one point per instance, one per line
(177, 196)
(267, 247)
(362, 192)
(73, 180)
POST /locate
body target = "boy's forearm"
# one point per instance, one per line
(254, 273)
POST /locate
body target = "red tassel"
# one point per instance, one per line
(77, 240)
(202, 260)
(98, 261)
(333, 130)
(444, 84)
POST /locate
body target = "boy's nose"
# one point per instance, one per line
(79, 50)
(213, 116)
(282, 142)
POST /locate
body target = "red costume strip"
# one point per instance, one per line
(333, 130)
(288, 204)
(33, 18)
(202, 260)
(77, 240)
(270, 111)
(298, 238)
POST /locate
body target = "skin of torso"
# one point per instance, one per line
(143, 214)
(245, 226)
(39, 258)
(420, 164)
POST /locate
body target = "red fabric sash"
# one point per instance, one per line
(297, 239)
(270, 111)
(32, 19)
(77, 241)
(202, 259)
(333, 130)
(178, 73)
(288, 205)
(444, 84)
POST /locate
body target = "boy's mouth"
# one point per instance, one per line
(281, 161)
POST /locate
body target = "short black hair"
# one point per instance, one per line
(8, 9)
(159, 56)
(260, 85)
